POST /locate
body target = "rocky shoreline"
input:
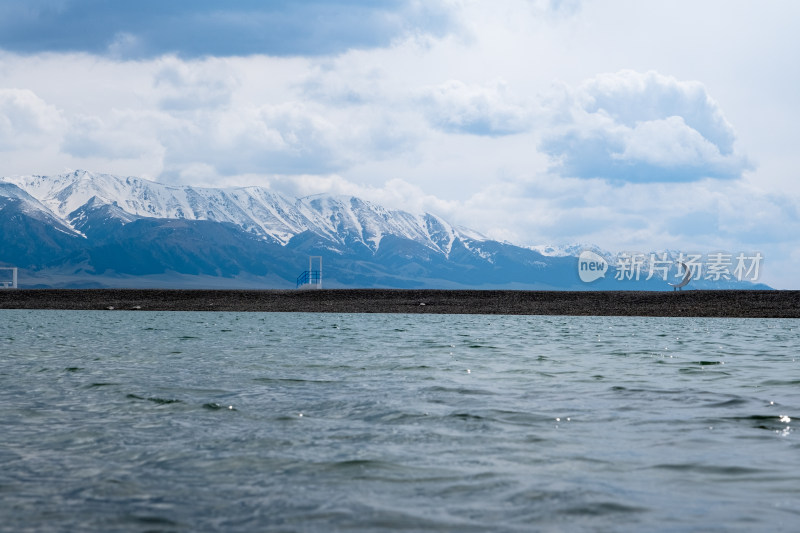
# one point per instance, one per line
(766, 304)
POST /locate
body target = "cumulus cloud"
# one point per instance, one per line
(194, 85)
(456, 107)
(187, 120)
(149, 28)
(26, 120)
(270, 139)
(637, 127)
(121, 135)
(343, 84)
(630, 98)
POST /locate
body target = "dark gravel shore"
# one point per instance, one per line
(767, 304)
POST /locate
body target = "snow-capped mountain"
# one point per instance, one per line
(268, 215)
(87, 229)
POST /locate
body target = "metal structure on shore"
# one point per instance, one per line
(9, 283)
(311, 278)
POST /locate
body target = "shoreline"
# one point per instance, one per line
(695, 303)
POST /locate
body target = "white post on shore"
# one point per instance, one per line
(311, 271)
(5, 284)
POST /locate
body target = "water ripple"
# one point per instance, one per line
(134, 421)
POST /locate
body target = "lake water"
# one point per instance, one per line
(148, 421)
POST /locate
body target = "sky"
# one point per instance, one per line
(633, 125)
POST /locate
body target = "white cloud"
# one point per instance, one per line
(667, 142)
(456, 107)
(271, 139)
(185, 86)
(643, 127)
(26, 121)
(344, 82)
(631, 98)
(121, 135)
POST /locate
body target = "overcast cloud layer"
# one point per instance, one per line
(197, 28)
(630, 125)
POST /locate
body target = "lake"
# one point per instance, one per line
(198, 421)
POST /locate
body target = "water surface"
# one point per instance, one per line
(132, 421)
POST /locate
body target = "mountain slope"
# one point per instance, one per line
(86, 229)
(31, 234)
(269, 216)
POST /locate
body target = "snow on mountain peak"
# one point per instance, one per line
(256, 210)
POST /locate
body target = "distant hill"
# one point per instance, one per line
(83, 229)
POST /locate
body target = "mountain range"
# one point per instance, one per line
(84, 229)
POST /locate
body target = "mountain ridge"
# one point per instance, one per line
(256, 210)
(93, 229)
